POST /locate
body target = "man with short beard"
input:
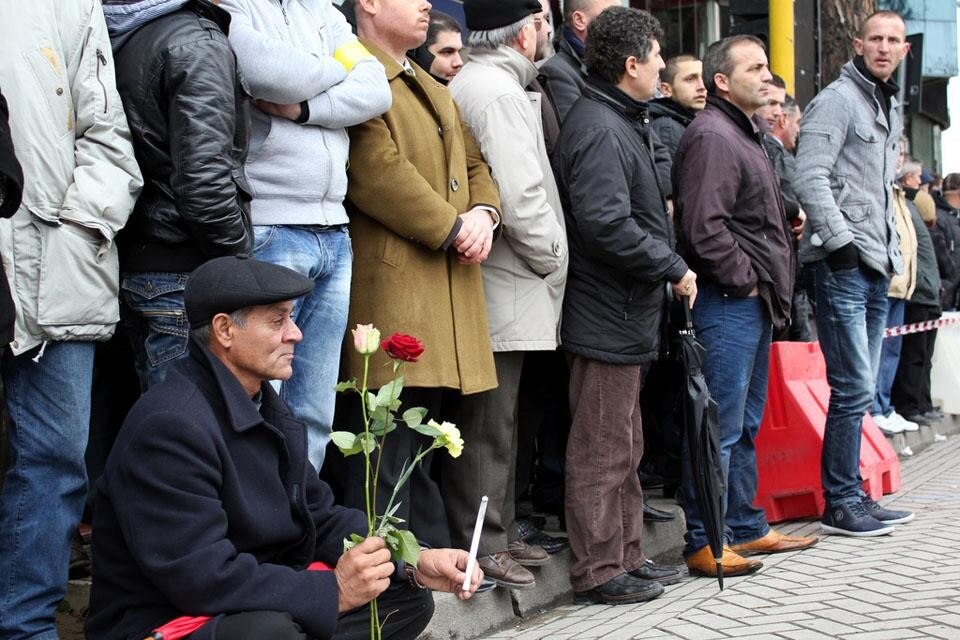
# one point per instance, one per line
(681, 85)
(734, 233)
(846, 162)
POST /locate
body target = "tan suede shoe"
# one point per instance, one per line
(701, 563)
(774, 542)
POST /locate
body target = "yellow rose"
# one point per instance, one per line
(449, 437)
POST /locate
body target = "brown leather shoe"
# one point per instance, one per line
(527, 554)
(774, 542)
(701, 563)
(505, 571)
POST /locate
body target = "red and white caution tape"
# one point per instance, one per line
(919, 327)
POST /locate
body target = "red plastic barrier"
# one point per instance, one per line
(791, 437)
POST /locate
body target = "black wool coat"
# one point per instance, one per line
(207, 506)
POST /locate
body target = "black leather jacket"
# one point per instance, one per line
(177, 76)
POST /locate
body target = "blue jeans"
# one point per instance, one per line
(45, 487)
(324, 255)
(889, 359)
(156, 321)
(736, 333)
(851, 310)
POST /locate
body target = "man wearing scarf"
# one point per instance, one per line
(847, 160)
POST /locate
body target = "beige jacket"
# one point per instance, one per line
(80, 175)
(524, 277)
(902, 285)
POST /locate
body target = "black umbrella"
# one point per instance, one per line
(702, 431)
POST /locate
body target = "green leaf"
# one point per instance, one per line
(414, 416)
(347, 442)
(368, 442)
(371, 402)
(351, 542)
(427, 429)
(391, 426)
(408, 549)
(348, 385)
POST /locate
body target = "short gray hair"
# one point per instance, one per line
(202, 334)
(910, 166)
(493, 38)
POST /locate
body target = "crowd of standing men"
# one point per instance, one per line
(530, 217)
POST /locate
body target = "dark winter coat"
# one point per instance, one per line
(621, 239)
(208, 505)
(563, 76)
(669, 120)
(927, 291)
(11, 189)
(733, 228)
(785, 165)
(948, 225)
(177, 76)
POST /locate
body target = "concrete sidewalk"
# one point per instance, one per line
(906, 585)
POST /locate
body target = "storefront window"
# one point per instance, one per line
(688, 25)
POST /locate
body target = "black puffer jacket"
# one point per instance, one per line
(177, 77)
(621, 240)
(669, 121)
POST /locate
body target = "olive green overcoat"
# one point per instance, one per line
(412, 171)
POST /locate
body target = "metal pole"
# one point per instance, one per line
(781, 42)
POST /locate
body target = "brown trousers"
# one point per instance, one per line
(604, 501)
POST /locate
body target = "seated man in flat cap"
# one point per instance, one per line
(209, 507)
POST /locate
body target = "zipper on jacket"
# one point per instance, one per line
(102, 62)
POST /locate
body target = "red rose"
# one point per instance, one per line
(401, 346)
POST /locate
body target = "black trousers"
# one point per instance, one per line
(911, 386)
(421, 506)
(410, 611)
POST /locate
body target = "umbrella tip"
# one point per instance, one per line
(720, 574)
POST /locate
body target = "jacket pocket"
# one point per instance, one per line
(866, 134)
(51, 78)
(855, 212)
(394, 250)
(79, 283)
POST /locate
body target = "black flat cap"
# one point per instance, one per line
(485, 15)
(223, 285)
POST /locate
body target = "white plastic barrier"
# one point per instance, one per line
(945, 376)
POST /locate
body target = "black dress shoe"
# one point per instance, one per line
(652, 514)
(650, 480)
(652, 571)
(531, 534)
(624, 589)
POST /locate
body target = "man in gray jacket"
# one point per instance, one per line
(310, 79)
(846, 162)
(80, 183)
(523, 277)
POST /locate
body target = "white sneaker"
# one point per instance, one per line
(907, 425)
(887, 424)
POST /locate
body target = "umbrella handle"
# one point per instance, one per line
(686, 311)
